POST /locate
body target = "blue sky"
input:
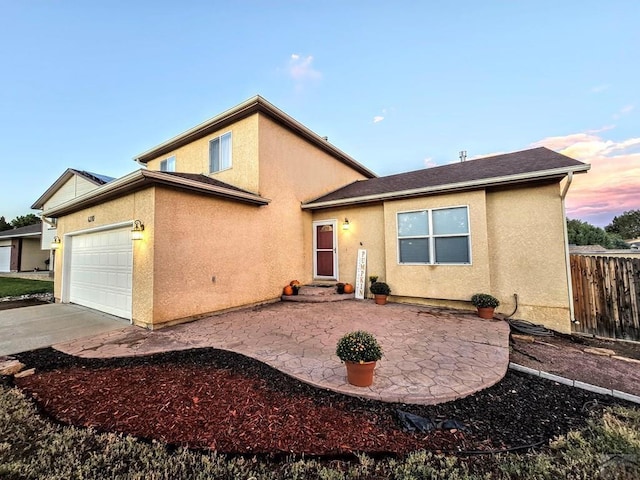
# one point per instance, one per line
(397, 85)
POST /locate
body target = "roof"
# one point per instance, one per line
(250, 107)
(34, 230)
(511, 168)
(141, 179)
(95, 178)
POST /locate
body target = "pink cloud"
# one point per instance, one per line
(611, 187)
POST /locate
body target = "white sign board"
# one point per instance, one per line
(361, 272)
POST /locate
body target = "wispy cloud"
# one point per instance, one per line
(429, 162)
(611, 186)
(626, 110)
(301, 69)
(378, 118)
(599, 88)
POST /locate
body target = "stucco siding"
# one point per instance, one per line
(226, 255)
(449, 282)
(194, 157)
(32, 255)
(526, 241)
(138, 205)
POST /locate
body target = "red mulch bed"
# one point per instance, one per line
(213, 399)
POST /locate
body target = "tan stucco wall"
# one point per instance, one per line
(450, 282)
(293, 172)
(138, 205)
(364, 232)
(194, 157)
(526, 240)
(32, 255)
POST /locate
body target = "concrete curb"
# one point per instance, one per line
(575, 383)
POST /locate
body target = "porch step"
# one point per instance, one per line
(317, 294)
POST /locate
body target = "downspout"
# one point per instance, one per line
(566, 247)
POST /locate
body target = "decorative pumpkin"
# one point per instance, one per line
(348, 288)
(288, 290)
(294, 282)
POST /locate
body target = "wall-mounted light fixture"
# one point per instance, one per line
(136, 231)
(345, 224)
(55, 243)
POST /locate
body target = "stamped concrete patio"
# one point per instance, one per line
(431, 355)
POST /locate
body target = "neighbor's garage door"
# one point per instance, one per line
(100, 271)
(5, 258)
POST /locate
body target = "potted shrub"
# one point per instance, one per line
(380, 291)
(485, 303)
(359, 351)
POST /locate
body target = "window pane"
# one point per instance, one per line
(415, 250)
(225, 151)
(214, 155)
(171, 164)
(413, 224)
(450, 220)
(452, 250)
(163, 166)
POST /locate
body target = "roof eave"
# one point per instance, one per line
(557, 173)
(255, 104)
(142, 179)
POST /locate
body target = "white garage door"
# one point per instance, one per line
(100, 271)
(5, 258)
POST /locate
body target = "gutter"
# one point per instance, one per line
(144, 178)
(485, 182)
(563, 194)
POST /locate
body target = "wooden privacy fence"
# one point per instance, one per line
(606, 296)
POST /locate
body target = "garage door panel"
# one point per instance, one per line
(100, 271)
(5, 258)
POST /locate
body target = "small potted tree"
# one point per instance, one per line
(485, 303)
(380, 291)
(359, 351)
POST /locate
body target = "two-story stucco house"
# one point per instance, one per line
(229, 211)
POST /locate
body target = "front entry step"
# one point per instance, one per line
(317, 294)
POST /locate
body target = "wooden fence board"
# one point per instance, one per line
(606, 296)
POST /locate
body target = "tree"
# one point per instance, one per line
(583, 233)
(4, 225)
(626, 225)
(24, 220)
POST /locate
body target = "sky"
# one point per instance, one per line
(399, 86)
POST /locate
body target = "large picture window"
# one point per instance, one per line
(436, 236)
(220, 153)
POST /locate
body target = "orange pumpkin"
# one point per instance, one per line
(348, 288)
(294, 282)
(288, 290)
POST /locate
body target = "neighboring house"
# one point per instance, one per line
(71, 184)
(634, 243)
(231, 210)
(600, 251)
(20, 250)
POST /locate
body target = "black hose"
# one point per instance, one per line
(529, 328)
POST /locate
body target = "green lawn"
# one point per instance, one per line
(13, 287)
(32, 447)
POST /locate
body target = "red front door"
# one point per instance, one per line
(325, 249)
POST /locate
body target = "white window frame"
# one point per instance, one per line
(223, 165)
(431, 236)
(168, 164)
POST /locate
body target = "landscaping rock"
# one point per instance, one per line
(9, 366)
(25, 373)
(606, 352)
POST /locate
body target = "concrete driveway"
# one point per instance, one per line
(23, 329)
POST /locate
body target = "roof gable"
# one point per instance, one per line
(94, 178)
(510, 168)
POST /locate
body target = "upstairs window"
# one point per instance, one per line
(220, 153)
(168, 164)
(434, 237)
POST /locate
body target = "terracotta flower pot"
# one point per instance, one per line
(360, 374)
(381, 299)
(486, 312)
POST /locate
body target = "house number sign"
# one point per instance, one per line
(361, 271)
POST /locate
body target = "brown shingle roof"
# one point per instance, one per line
(498, 169)
(28, 231)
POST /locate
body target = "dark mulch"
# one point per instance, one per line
(27, 302)
(208, 398)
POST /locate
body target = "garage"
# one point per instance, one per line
(100, 271)
(5, 258)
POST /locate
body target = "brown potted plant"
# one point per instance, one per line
(359, 351)
(485, 303)
(380, 291)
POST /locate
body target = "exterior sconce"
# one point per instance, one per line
(55, 243)
(136, 231)
(345, 224)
